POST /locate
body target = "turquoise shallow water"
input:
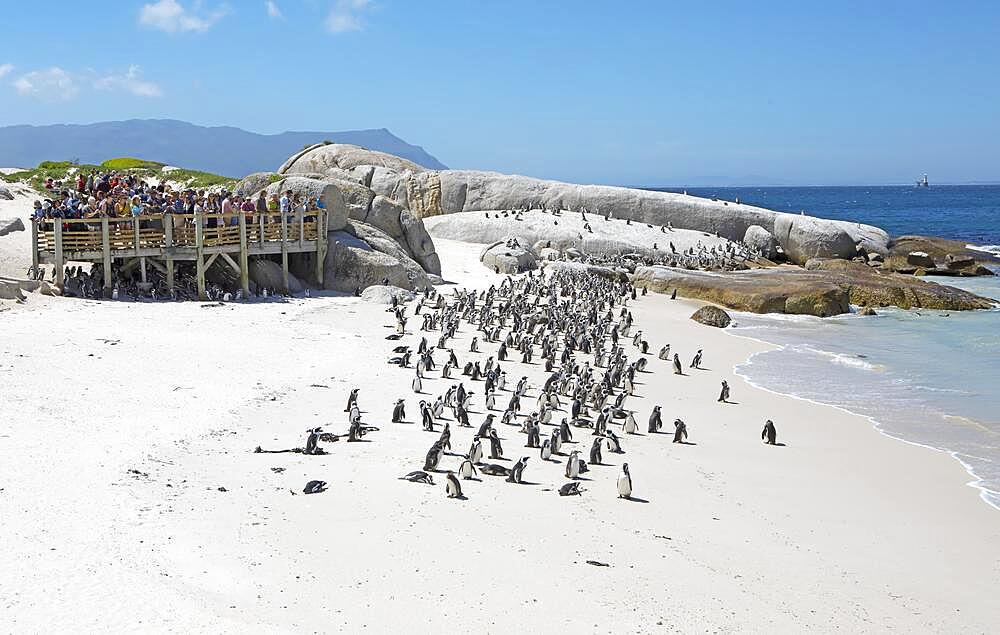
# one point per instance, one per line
(926, 377)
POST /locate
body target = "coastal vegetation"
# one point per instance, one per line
(62, 171)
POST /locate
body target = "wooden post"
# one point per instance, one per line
(199, 245)
(142, 268)
(244, 257)
(106, 254)
(60, 265)
(302, 229)
(284, 250)
(168, 243)
(260, 233)
(34, 247)
(320, 247)
(135, 234)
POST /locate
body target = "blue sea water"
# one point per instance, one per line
(926, 377)
(962, 212)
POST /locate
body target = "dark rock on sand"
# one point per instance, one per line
(827, 287)
(712, 316)
(953, 254)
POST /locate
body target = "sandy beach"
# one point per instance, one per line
(133, 500)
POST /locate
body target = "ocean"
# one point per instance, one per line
(925, 377)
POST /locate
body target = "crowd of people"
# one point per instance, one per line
(123, 195)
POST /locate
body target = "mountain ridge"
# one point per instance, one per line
(225, 150)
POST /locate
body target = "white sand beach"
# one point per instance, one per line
(132, 499)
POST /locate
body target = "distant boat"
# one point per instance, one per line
(923, 182)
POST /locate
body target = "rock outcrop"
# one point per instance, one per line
(321, 157)
(828, 289)
(336, 210)
(381, 294)
(511, 256)
(5, 194)
(266, 274)
(354, 261)
(593, 235)
(940, 256)
(10, 226)
(762, 240)
(710, 315)
(253, 183)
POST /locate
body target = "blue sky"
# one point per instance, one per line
(644, 93)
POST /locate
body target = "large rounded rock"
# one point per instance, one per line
(352, 263)
(10, 226)
(421, 247)
(390, 183)
(267, 274)
(322, 157)
(382, 294)
(830, 287)
(357, 197)
(384, 213)
(712, 316)
(336, 210)
(511, 256)
(762, 240)
(253, 183)
(805, 237)
(5, 194)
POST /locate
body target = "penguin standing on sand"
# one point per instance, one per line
(769, 435)
(433, 457)
(476, 451)
(630, 426)
(517, 470)
(312, 441)
(416, 384)
(352, 399)
(452, 487)
(546, 451)
(724, 395)
(399, 411)
(665, 352)
(614, 444)
(595, 451)
(625, 483)
(484, 430)
(565, 434)
(496, 450)
(533, 435)
(680, 431)
(696, 362)
(554, 442)
(655, 422)
(678, 370)
(467, 470)
(573, 465)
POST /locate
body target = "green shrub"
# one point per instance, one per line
(130, 163)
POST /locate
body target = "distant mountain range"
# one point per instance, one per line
(220, 150)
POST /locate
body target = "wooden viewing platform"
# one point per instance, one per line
(159, 240)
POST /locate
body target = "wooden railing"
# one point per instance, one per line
(173, 230)
(168, 237)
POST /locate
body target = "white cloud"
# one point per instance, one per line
(51, 84)
(130, 82)
(57, 84)
(346, 16)
(5, 70)
(273, 11)
(171, 16)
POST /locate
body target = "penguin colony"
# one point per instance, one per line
(578, 326)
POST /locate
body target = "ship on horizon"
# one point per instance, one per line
(923, 182)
